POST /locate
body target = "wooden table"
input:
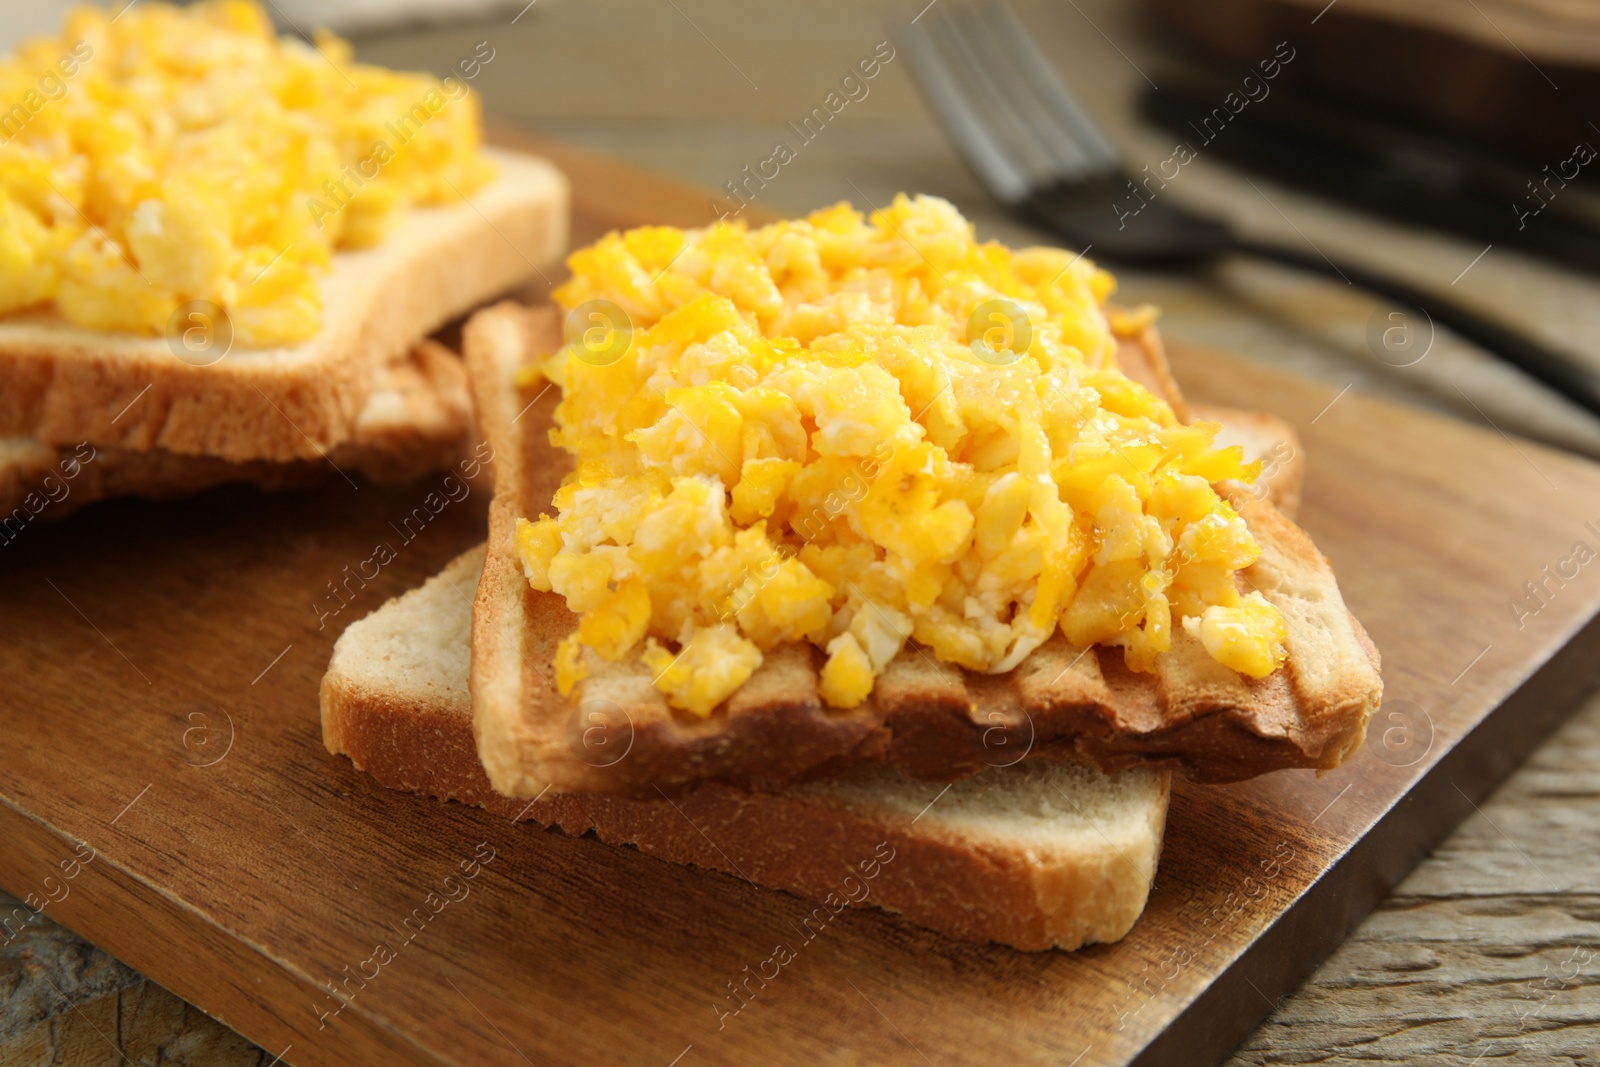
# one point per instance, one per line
(1487, 953)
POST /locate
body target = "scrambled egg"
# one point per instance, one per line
(805, 433)
(170, 155)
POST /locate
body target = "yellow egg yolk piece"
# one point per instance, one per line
(856, 432)
(163, 155)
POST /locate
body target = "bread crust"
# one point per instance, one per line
(418, 418)
(928, 719)
(66, 384)
(969, 885)
(1143, 357)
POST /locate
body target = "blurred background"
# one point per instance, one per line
(1442, 141)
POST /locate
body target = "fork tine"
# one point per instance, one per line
(1049, 88)
(977, 83)
(1002, 103)
(1060, 141)
(1004, 179)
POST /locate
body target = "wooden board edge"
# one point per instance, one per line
(220, 970)
(1283, 956)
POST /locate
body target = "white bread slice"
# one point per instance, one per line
(418, 418)
(1038, 855)
(65, 384)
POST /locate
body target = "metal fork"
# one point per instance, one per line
(1037, 152)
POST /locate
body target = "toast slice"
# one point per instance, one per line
(66, 384)
(1269, 439)
(417, 418)
(1142, 357)
(1036, 856)
(928, 719)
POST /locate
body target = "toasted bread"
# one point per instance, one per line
(1142, 357)
(1035, 856)
(1268, 439)
(928, 719)
(66, 384)
(418, 418)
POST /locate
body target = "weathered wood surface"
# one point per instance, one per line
(66, 1003)
(1489, 953)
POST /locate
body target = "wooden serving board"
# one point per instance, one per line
(159, 707)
